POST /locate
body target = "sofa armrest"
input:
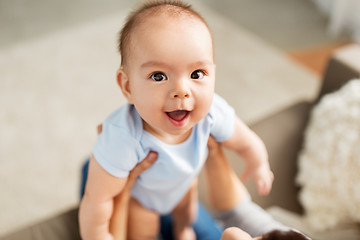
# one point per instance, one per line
(343, 66)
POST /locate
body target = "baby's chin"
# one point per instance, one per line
(284, 235)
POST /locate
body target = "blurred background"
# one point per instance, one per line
(58, 61)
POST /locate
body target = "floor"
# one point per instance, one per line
(315, 58)
(53, 53)
(291, 25)
(286, 24)
(294, 26)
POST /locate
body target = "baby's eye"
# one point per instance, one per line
(158, 76)
(197, 74)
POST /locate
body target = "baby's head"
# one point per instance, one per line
(167, 70)
(169, 9)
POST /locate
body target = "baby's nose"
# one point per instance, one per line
(180, 90)
(181, 95)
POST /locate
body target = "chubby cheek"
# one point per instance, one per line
(147, 114)
(203, 106)
(144, 95)
(148, 104)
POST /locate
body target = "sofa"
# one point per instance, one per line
(282, 133)
(289, 126)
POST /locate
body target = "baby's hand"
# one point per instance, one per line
(262, 176)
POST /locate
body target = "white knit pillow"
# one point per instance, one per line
(329, 164)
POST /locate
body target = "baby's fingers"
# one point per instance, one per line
(264, 183)
(262, 187)
(245, 175)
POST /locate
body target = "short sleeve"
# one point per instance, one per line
(223, 116)
(116, 150)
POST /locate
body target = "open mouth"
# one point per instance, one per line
(178, 115)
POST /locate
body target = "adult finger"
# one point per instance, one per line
(212, 142)
(99, 129)
(148, 161)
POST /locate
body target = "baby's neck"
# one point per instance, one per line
(174, 139)
(171, 139)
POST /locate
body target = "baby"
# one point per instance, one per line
(167, 74)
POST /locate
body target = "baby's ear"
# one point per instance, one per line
(124, 84)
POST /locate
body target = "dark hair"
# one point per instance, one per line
(284, 235)
(157, 7)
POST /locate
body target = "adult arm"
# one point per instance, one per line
(118, 223)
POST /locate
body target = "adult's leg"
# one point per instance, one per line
(84, 174)
(230, 198)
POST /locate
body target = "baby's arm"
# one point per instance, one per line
(252, 149)
(96, 206)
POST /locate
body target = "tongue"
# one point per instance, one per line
(177, 115)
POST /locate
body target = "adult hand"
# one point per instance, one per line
(118, 222)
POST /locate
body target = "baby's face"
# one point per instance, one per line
(171, 75)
